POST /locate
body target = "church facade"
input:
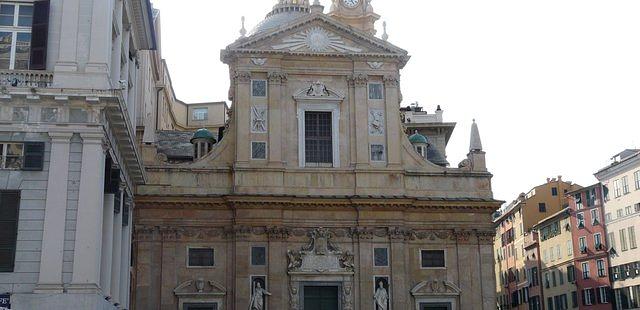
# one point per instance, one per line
(316, 195)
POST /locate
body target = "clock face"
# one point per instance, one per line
(351, 3)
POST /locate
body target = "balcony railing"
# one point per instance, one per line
(25, 78)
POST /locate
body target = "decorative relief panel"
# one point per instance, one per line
(320, 255)
(315, 39)
(259, 119)
(376, 122)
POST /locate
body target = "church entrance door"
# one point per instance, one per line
(321, 298)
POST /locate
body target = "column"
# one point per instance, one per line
(361, 83)
(241, 112)
(67, 54)
(125, 272)
(101, 29)
(107, 244)
(50, 277)
(88, 243)
(394, 128)
(117, 253)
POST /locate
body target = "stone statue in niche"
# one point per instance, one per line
(381, 297)
(258, 296)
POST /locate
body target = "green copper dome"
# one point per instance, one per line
(203, 133)
(417, 138)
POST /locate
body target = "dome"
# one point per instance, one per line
(417, 138)
(203, 133)
(283, 13)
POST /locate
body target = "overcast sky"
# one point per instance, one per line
(553, 84)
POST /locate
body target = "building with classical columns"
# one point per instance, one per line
(73, 88)
(317, 195)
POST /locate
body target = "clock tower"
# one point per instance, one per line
(356, 13)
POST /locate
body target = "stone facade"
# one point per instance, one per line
(344, 221)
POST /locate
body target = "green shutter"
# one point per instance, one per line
(33, 156)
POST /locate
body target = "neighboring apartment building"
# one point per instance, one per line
(71, 92)
(535, 298)
(512, 223)
(590, 249)
(621, 186)
(558, 272)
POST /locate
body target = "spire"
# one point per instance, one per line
(385, 36)
(476, 143)
(243, 31)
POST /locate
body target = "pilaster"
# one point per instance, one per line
(276, 81)
(241, 263)
(117, 43)
(68, 56)
(277, 267)
(394, 128)
(88, 243)
(117, 253)
(107, 244)
(241, 109)
(125, 272)
(360, 83)
(50, 277)
(398, 271)
(101, 29)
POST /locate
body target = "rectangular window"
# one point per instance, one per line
(200, 114)
(542, 207)
(553, 278)
(9, 207)
(258, 256)
(569, 247)
(607, 218)
(15, 35)
(585, 270)
(601, 268)
(580, 219)
(636, 177)
(432, 258)
(547, 281)
(318, 138)
(627, 210)
(381, 257)
(595, 216)
(637, 207)
(623, 240)
(259, 88)
(591, 197)
(201, 257)
(258, 150)
(620, 213)
(200, 306)
(603, 294)
(631, 231)
(377, 152)
(597, 241)
(561, 277)
(625, 185)
(571, 274)
(558, 252)
(534, 276)
(588, 297)
(578, 198)
(11, 155)
(376, 91)
(582, 243)
(611, 240)
(617, 190)
(550, 303)
(554, 191)
(574, 299)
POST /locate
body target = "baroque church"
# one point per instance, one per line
(320, 192)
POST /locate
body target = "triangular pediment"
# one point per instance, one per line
(317, 34)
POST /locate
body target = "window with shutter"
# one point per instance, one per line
(318, 138)
(33, 156)
(9, 204)
(39, 35)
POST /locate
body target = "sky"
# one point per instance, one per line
(553, 84)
